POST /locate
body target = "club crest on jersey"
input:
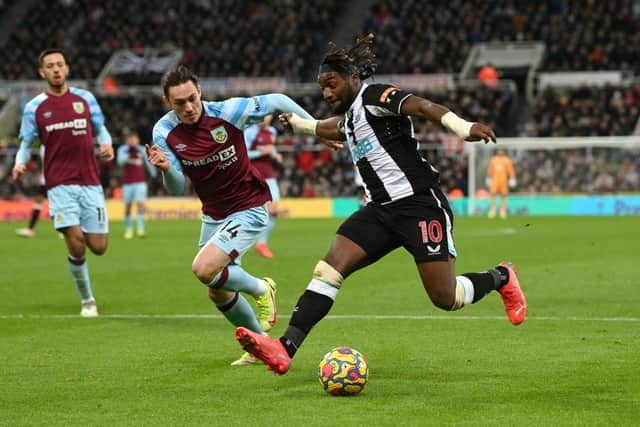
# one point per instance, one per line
(78, 107)
(220, 135)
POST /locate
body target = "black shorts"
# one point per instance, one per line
(422, 224)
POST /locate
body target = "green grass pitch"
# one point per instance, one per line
(159, 354)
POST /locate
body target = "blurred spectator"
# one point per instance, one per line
(585, 111)
(252, 38)
(488, 75)
(579, 34)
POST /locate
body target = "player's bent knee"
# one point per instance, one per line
(444, 300)
(99, 249)
(205, 273)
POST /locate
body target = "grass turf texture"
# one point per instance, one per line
(160, 353)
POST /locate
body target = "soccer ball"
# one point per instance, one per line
(343, 371)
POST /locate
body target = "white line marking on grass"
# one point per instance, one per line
(330, 317)
(489, 232)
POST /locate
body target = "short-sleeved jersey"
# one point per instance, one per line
(213, 154)
(264, 164)
(134, 166)
(500, 168)
(383, 147)
(64, 126)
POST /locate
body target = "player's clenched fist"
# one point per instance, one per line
(18, 170)
(157, 158)
(482, 132)
(106, 152)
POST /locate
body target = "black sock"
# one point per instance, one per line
(504, 276)
(34, 218)
(483, 283)
(310, 309)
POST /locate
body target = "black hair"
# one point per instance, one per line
(49, 51)
(176, 76)
(358, 59)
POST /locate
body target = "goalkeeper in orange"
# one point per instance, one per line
(500, 177)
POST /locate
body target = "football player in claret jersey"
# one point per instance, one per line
(204, 141)
(135, 166)
(66, 120)
(405, 205)
(261, 145)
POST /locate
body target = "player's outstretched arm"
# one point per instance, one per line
(328, 129)
(281, 103)
(469, 131)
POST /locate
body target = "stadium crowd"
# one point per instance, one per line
(579, 171)
(283, 38)
(585, 111)
(579, 34)
(224, 38)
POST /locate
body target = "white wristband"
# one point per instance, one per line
(459, 126)
(302, 126)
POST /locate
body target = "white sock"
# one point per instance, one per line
(261, 289)
(467, 285)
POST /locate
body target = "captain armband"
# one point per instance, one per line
(303, 126)
(456, 124)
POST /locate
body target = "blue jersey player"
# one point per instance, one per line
(260, 139)
(64, 119)
(204, 141)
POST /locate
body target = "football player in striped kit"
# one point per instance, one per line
(405, 206)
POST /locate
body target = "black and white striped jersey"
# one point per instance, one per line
(383, 147)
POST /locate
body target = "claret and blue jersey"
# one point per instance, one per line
(213, 154)
(62, 123)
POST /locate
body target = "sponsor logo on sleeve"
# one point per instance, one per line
(385, 95)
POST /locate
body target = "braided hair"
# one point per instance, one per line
(358, 59)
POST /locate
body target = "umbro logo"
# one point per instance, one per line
(181, 147)
(47, 114)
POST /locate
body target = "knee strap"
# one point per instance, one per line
(328, 274)
(326, 280)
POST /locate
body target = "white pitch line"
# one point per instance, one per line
(330, 317)
(489, 233)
